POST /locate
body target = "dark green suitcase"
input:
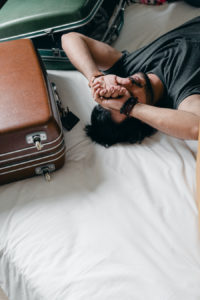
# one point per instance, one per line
(45, 22)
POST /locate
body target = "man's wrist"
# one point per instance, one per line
(136, 110)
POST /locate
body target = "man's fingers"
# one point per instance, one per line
(123, 81)
(96, 94)
(96, 85)
(102, 92)
(122, 91)
(97, 97)
(119, 91)
(107, 93)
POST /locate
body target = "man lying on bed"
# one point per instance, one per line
(155, 87)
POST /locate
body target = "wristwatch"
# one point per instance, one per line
(128, 106)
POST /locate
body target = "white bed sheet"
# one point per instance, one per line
(117, 223)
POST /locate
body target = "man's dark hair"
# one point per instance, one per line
(104, 131)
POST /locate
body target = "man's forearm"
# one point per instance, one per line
(79, 54)
(177, 123)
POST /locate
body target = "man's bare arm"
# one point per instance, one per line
(88, 55)
(182, 123)
(177, 123)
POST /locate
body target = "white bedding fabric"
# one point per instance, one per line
(117, 223)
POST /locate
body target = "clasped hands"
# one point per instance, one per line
(111, 91)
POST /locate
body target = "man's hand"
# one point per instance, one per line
(125, 82)
(107, 87)
(112, 103)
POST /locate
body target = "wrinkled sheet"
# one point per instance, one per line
(117, 223)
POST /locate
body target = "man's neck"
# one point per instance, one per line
(157, 86)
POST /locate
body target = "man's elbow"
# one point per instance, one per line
(67, 37)
(195, 132)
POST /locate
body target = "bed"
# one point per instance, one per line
(116, 223)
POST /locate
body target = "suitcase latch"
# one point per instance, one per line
(45, 171)
(56, 52)
(36, 138)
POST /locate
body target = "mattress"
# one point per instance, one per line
(116, 223)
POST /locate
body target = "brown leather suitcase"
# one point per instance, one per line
(31, 136)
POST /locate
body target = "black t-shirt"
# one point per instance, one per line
(174, 58)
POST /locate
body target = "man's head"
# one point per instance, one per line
(138, 86)
(109, 127)
(103, 130)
